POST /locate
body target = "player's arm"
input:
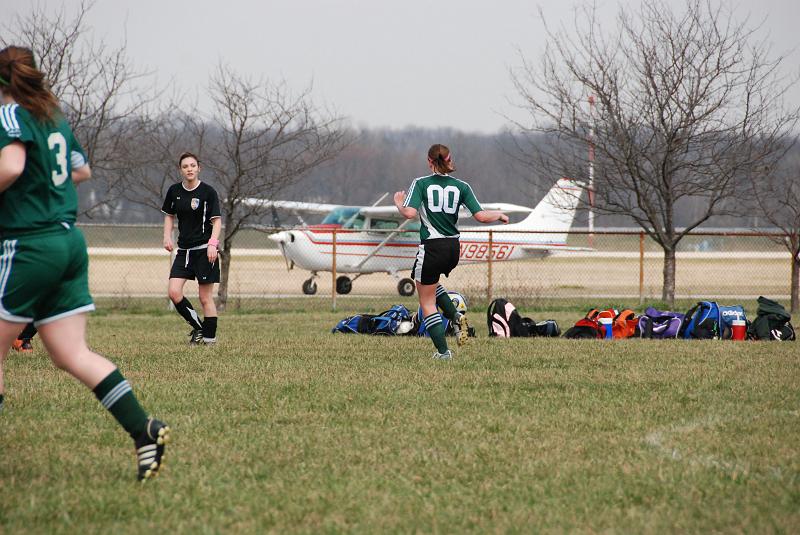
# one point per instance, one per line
(490, 216)
(12, 164)
(169, 223)
(213, 242)
(408, 203)
(480, 215)
(406, 211)
(81, 174)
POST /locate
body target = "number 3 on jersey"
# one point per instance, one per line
(57, 143)
(443, 199)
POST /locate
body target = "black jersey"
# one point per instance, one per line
(195, 209)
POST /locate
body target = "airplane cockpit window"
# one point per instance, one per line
(390, 224)
(340, 216)
(356, 222)
(384, 224)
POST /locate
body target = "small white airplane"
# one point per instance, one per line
(377, 239)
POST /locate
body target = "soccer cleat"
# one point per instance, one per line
(462, 329)
(196, 337)
(23, 346)
(447, 355)
(208, 341)
(150, 448)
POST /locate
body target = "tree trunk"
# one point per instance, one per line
(225, 268)
(795, 307)
(668, 290)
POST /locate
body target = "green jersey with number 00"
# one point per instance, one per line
(438, 198)
(43, 195)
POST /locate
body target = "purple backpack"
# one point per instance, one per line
(657, 324)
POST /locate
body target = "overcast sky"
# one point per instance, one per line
(380, 63)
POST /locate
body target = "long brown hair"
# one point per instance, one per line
(439, 157)
(26, 84)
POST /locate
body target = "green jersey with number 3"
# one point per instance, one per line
(438, 198)
(43, 195)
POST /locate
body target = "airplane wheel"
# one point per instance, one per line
(309, 287)
(343, 285)
(406, 287)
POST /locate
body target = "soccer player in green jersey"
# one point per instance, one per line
(43, 258)
(436, 199)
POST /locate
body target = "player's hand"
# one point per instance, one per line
(168, 244)
(503, 219)
(399, 198)
(212, 253)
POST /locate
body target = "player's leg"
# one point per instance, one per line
(458, 320)
(23, 341)
(426, 276)
(432, 318)
(8, 333)
(65, 341)
(207, 275)
(206, 294)
(184, 307)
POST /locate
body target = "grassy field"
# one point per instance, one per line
(284, 427)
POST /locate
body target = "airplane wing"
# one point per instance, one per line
(390, 212)
(309, 207)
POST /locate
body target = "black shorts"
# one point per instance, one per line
(197, 267)
(435, 257)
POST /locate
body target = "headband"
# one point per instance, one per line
(447, 158)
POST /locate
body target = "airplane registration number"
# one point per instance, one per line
(478, 251)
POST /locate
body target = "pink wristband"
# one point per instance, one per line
(214, 242)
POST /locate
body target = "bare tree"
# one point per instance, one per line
(267, 140)
(776, 196)
(96, 86)
(688, 104)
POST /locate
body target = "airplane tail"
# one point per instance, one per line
(555, 212)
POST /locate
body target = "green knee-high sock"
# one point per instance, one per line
(115, 393)
(433, 324)
(444, 302)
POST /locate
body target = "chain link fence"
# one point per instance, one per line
(128, 261)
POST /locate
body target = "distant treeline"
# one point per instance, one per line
(378, 161)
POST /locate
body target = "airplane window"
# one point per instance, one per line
(339, 216)
(384, 224)
(354, 222)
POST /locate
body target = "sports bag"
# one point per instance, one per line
(771, 323)
(659, 324)
(623, 324)
(701, 321)
(547, 328)
(588, 326)
(504, 321)
(385, 323)
(357, 324)
(727, 315)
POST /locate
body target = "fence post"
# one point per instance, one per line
(641, 267)
(333, 272)
(489, 270)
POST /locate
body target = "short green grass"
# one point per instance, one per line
(284, 427)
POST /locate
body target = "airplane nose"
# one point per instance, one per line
(279, 237)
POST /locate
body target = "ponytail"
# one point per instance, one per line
(440, 158)
(26, 84)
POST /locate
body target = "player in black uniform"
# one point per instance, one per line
(23, 342)
(196, 206)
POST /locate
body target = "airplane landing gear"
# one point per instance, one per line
(343, 285)
(310, 286)
(406, 287)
